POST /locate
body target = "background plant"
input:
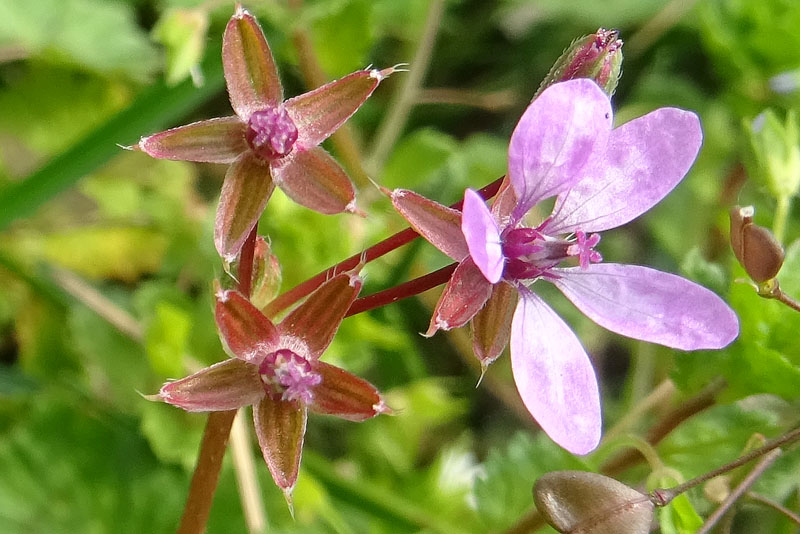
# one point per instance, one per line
(106, 258)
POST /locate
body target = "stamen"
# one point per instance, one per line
(521, 242)
(271, 133)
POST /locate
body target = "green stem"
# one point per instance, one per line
(391, 128)
(781, 215)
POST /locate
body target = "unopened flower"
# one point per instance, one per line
(597, 57)
(755, 247)
(269, 141)
(276, 369)
(564, 146)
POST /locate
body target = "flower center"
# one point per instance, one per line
(271, 133)
(530, 253)
(289, 375)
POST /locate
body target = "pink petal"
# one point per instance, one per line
(491, 327)
(316, 320)
(463, 297)
(281, 428)
(244, 330)
(215, 141)
(345, 395)
(555, 138)
(483, 236)
(250, 71)
(313, 179)
(650, 305)
(645, 160)
(245, 192)
(504, 202)
(226, 385)
(440, 225)
(554, 376)
(319, 113)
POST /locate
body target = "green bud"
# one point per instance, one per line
(183, 34)
(597, 56)
(776, 153)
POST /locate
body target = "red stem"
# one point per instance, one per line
(389, 244)
(246, 262)
(218, 428)
(402, 291)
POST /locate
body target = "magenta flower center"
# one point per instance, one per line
(530, 253)
(271, 133)
(290, 376)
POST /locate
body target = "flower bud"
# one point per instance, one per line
(755, 247)
(597, 56)
(266, 274)
(578, 501)
(775, 148)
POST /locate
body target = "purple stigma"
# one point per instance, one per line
(271, 133)
(289, 375)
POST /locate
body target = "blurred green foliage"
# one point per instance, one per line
(82, 451)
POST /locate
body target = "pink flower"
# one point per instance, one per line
(564, 146)
(269, 141)
(276, 369)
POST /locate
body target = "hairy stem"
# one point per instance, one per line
(789, 301)
(218, 428)
(740, 490)
(389, 244)
(668, 494)
(206, 472)
(402, 291)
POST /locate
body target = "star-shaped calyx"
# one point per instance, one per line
(276, 369)
(269, 141)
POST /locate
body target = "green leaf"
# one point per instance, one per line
(343, 34)
(82, 470)
(94, 34)
(766, 357)
(44, 122)
(157, 107)
(503, 494)
(718, 435)
(14, 383)
(99, 252)
(165, 339)
(418, 158)
(183, 34)
(679, 516)
(173, 435)
(398, 440)
(116, 365)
